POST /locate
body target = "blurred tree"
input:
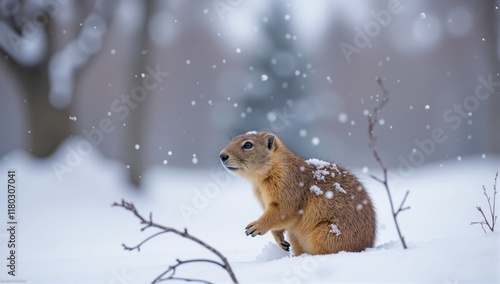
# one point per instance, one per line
(278, 97)
(30, 39)
(136, 120)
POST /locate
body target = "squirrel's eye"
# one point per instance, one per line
(247, 145)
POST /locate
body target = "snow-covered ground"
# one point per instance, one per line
(69, 233)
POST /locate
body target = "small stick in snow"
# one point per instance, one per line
(372, 121)
(492, 209)
(224, 264)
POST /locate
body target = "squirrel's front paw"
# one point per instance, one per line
(280, 239)
(254, 229)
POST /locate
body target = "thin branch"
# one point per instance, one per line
(401, 208)
(187, 280)
(479, 223)
(173, 268)
(150, 224)
(372, 121)
(493, 217)
(138, 247)
(377, 179)
(491, 207)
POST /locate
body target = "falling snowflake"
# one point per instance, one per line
(329, 194)
(343, 117)
(271, 116)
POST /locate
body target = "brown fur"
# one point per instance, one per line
(282, 182)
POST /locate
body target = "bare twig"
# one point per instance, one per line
(372, 121)
(163, 230)
(492, 208)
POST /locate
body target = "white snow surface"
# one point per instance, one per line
(69, 233)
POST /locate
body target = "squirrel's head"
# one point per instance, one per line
(249, 155)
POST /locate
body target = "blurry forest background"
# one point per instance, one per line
(97, 70)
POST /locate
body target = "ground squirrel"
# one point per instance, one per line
(322, 206)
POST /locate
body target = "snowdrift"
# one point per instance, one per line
(69, 233)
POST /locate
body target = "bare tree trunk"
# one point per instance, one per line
(48, 126)
(135, 121)
(495, 97)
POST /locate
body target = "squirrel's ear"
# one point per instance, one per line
(270, 139)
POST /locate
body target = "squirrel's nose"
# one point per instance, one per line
(223, 157)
